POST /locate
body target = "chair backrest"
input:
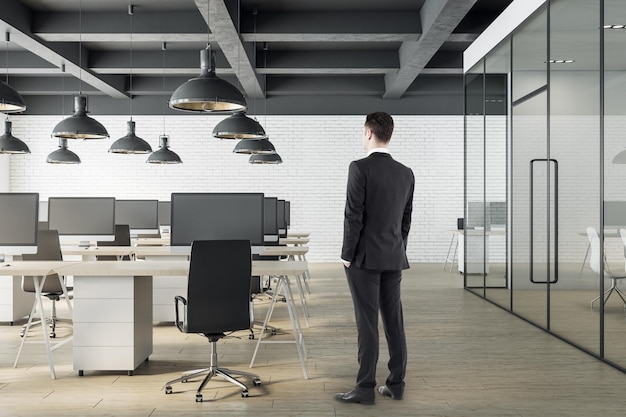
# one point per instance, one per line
(122, 238)
(594, 250)
(218, 292)
(48, 249)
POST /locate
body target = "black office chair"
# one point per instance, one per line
(122, 238)
(218, 301)
(48, 249)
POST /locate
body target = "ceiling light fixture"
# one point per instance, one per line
(257, 146)
(239, 125)
(10, 100)
(207, 92)
(9, 144)
(131, 143)
(272, 158)
(164, 155)
(79, 125)
(264, 157)
(62, 155)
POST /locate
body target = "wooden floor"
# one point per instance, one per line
(467, 357)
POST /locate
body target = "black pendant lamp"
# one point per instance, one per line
(10, 100)
(164, 155)
(260, 146)
(131, 143)
(207, 92)
(239, 126)
(63, 155)
(9, 144)
(272, 158)
(79, 125)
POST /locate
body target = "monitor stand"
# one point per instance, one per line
(84, 244)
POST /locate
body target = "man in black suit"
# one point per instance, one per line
(379, 202)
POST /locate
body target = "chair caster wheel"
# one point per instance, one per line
(198, 398)
(184, 381)
(251, 336)
(53, 335)
(273, 332)
(168, 390)
(257, 382)
(244, 393)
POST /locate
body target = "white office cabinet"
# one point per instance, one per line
(15, 304)
(112, 322)
(165, 288)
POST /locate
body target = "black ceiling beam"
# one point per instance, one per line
(17, 20)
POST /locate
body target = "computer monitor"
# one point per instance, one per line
(43, 211)
(270, 220)
(165, 213)
(18, 228)
(82, 219)
(141, 216)
(615, 214)
(165, 217)
(282, 225)
(207, 216)
(288, 214)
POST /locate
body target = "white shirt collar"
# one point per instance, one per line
(381, 150)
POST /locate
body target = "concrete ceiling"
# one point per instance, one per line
(305, 52)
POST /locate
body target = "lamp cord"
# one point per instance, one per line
(130, 12)
(164, 48)
(265, 86)
(80, 47)
(8, 36)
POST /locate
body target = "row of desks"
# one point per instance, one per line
(112, 308)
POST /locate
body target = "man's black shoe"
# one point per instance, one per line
(385, 391)
(354, 396)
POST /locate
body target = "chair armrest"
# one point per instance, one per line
(182, 326)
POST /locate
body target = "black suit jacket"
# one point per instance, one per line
(379, 202)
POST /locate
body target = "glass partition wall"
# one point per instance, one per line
(544, 127)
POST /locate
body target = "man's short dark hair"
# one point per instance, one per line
(381, 124)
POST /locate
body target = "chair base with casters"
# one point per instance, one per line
(214, 370)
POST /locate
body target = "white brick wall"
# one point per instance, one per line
(316, 151)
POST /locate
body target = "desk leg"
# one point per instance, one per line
(283, 283)
(38, 282)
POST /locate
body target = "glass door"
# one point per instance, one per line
(533, 179)
(575, 119)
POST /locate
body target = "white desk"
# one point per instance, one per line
(297, 241)
(164, 287)
(476, 252)
(298, 234)
(112, 306)
(39, 270)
